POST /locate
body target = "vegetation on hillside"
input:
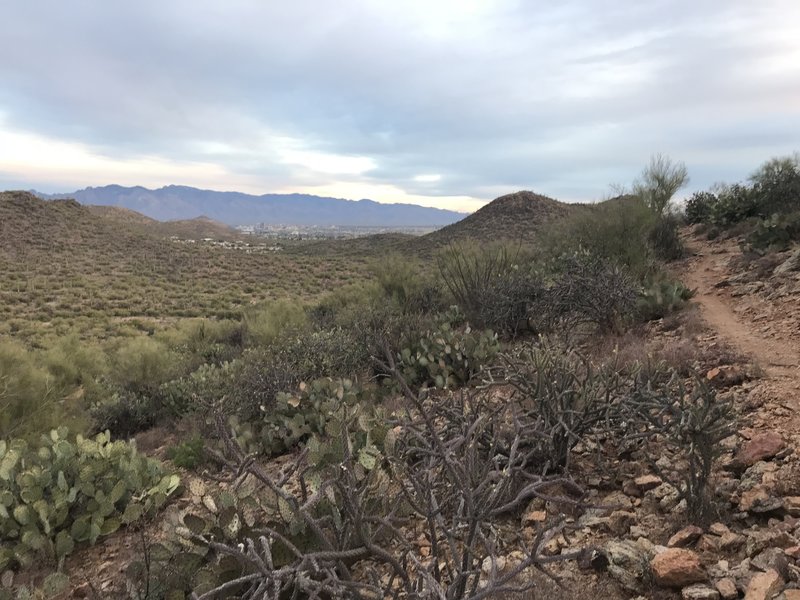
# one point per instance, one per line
(384, 389)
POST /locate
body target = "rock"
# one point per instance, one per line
(760, 539)
(627, 563)
(647, 482)
(790, 264)
(677, 567)
(759, 500)
(629, 488)
(685, 537)
(719, 529)
(699, 591)
(82, 591)
(792, 552)
(761, 447)
(707, 543)
(727, 589)
(772, 558)
(792, 505)
(764, 586)
(791, 594)
(499, 564)
(533, 517)
(731, 542)
(620, 521)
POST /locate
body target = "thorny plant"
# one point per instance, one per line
(451, 469)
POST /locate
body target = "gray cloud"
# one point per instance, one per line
(563, 98)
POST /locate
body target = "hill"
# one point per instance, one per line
(518, 217)
(197, 228)
(176, 202)
(62, 264)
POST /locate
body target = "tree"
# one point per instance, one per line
(659, 181)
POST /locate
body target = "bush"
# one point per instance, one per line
(263, 324)
(142, 364)
(262, 373)
(28, 396)
(776, 186)
(662, 297)
(699, 207)
(189, 454)
(734, 204)
(446, 357)
(664, 238)
(776, 233)
(494, 286)
(591, 290)
(617, 230)
(57, 494)
(404, 285)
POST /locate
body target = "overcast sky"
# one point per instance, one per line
(446, 103)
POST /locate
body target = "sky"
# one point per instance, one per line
(445, 103)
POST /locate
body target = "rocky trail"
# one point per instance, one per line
(758, 319)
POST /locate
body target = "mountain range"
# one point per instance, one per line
(176, 202)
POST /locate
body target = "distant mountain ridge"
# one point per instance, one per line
(175, 202)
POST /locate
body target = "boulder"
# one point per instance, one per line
(677, 567)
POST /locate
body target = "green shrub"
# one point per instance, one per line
(189, 454)
(776, 233)
(493, 285)
(264, 323)
(776, 186)
(616, 230)
(662, 297)
(262, 373)
(734, 204)
(659, 182)
(665, 239)
(142, 364)
(57, 494)
(28, 394)
(699, 207)
(406, 286)
(446, 357)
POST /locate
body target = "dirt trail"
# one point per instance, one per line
(740, 320)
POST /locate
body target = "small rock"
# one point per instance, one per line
(761, 447)
(791, 594)
(82, 590)
(677, 567)
(730, 542)
(627, 563)
(699, 591)
(499, 564)
(727, 588)
(772, 558)
(792, 552)
(534, 516)
(764, 586)
(647, 482)
(719, 529)
(620, 521)
(685, 537)
(792, 505)
(759, 500)
(707, 543)
(629, 488)
(790, 264)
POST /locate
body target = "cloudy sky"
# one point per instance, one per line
(446, 103)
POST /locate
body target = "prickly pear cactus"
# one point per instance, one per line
(57, 493)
